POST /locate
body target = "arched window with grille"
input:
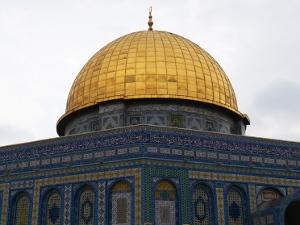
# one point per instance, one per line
(121, 204)
(236, 205)
(203, 205)
(165, 203)
(20, 208)
(85, 206)
(51, 211)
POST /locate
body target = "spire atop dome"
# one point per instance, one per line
(150, 22)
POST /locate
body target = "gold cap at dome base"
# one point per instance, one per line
(151, 64)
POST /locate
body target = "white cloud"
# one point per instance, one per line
(275, 109)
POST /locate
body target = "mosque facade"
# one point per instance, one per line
(152, 134)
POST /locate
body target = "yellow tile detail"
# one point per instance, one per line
(220, 202)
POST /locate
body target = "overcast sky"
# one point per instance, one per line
(44, 44)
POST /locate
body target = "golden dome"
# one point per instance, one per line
(151, 64)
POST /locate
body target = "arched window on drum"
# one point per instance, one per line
(165, 203)
(203, 205)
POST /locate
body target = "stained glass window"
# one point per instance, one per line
(51, 208)
(202, 205)
(121, 204)
(85, 206)
(165, 200)
(236, 207)
(20, 209)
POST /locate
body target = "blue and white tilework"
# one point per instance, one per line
(121, 218)
(67, 204)
(101, 202)
(165, 213)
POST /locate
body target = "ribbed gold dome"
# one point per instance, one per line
(151, 64)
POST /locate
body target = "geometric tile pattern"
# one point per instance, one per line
(252, 198)
(5, 188)
(284, 182)
(85, 210)
(202, 207)
(158, 119)
(36, 197)
(243, 178)
(165, 212)
(121, 208)
(194, 123)
(101, 202)
(135, 172)
(258, 188)
(220, 204)
(240, 147)
(22, 211)
(133, 120)
(187, 115)
(282, 189)
(175, 121)
(109, 182)
(67, 204)
(21, 184)
(210, 125)
(120, 186)
(235, 210)
(53, 210)
(224, 129)
(290, 191)
(111, 121)
(175, 176)
(121, 203)
(165, 203)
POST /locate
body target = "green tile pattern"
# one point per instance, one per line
(183, 190)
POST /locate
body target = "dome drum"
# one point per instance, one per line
(160, 112)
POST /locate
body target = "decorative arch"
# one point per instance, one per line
(165, 203)
(51, 208)
(85, 206)
(289, 209)
(236, 206)
(291, 215)
(121, 203)
(20, 209)
(268, 194)
(202, 205)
